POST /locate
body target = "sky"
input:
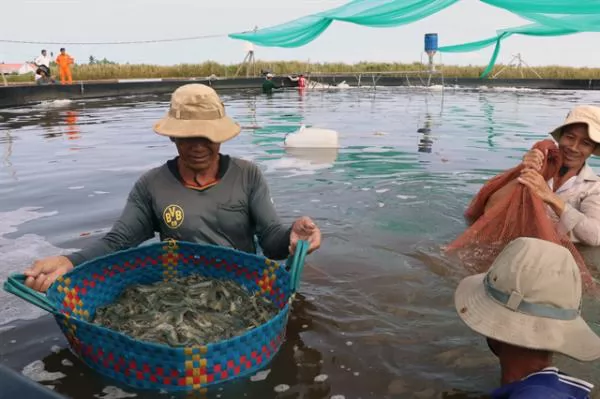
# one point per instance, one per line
(122, 20)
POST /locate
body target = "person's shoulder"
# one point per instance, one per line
(591, 179)
(151, 174)
(244, 164)
(248, 172)
(537, 392)
(550, 384)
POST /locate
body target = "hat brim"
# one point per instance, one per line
(556, 133)
(217, 130)
(573, 338)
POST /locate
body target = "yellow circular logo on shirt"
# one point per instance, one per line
(173, 216)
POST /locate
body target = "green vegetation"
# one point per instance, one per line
(95, 61)
(104, 69)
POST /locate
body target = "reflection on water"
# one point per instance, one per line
(426, 142)
(7, 141)
(316, 156)
(72, 131)
(375, 314)
(488, 111)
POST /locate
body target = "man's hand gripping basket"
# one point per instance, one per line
(74, 297)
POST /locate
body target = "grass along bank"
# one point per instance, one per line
(131, 71)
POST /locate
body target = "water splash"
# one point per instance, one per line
(36, 372)
(17, 254)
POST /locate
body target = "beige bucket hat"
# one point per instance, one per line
(588, 114)
(530, 297)
(197, 111)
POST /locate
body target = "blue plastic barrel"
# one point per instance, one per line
(431, 42)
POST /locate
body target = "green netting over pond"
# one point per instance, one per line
(548, 17)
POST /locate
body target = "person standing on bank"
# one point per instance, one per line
(64, 62)
(42, 60)
(199, 196)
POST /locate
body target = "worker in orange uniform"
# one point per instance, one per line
(64, 62)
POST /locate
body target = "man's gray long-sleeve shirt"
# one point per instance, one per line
(229, 213)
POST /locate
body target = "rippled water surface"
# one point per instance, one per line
(375, 314)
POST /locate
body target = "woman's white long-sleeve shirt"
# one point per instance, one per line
(581, 217)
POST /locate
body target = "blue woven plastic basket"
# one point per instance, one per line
(74, 297)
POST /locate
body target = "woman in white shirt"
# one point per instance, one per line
(575, 196)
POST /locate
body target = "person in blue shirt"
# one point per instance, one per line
(528, 306)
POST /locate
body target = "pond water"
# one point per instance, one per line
(376, 313)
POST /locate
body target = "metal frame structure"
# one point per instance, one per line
(517, 59)
(424, 77)
(249, 62)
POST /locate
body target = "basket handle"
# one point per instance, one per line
(15, 284)
(297, 263)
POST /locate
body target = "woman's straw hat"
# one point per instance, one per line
(587, 114)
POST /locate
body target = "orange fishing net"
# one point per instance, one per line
(504, 210)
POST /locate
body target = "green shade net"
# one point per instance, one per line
(549, 17)
(529, 30)
(373, 13)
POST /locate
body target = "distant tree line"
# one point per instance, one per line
(104, 61)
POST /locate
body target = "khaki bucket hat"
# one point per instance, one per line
(588, 114)
(530, 297)
(197, 111)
